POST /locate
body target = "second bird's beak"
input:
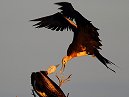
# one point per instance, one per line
(57, 65)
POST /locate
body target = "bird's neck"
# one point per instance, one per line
(68, 58)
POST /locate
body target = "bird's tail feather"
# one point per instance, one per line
(104, 60)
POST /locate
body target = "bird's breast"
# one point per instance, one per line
(80, 51)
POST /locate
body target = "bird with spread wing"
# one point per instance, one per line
(85, 39)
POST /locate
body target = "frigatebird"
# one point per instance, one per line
(86, 37)
(46, 87)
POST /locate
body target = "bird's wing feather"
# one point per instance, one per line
(88, 34)
(54, 22)
(66, 8)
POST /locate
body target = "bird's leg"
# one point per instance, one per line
(63, 80)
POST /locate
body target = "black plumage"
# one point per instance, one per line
(86, 37)
(44, 86)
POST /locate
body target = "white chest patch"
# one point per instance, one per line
(84, 53)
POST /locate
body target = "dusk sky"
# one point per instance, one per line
(24, 49)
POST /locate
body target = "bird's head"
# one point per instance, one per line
(52, 69)
(64, 62)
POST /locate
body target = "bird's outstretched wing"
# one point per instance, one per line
(88, 35)
(54, 22)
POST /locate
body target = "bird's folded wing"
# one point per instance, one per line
(54, 22)
(44, 86)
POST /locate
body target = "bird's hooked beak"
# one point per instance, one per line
(62, 68)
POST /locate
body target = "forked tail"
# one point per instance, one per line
(103, 60)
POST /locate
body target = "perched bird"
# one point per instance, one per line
(86, 37)
(44, 86)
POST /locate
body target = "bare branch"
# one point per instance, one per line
(63, 80)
